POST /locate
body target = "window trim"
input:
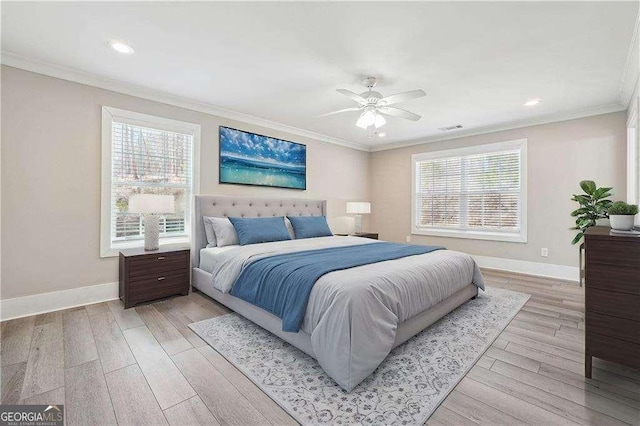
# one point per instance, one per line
(520, 237)
(633, 155)
(109, 115)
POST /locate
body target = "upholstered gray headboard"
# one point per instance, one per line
(236, 206)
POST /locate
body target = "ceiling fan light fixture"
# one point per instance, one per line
(370, 118)
(367, 119)
(373, 105)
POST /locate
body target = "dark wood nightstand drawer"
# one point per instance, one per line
(612, 349)
(620, 305)
(618, 328)
(157, 285)
(613, 252)
(150, 265)
(621, 279)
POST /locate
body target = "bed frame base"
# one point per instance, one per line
(202, 281)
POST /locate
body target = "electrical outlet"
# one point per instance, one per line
(544, 252)
(408, 238)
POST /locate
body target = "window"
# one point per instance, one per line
(476, 192)
(143, 154)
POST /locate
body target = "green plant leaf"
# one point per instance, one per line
(582, 199)
(601, 193)
(588, 186)
(577, 238)
(581, 210)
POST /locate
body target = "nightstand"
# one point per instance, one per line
(373, 236)
(150, 275)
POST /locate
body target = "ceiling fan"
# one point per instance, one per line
(374, 106)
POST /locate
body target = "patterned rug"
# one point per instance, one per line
(405, 389)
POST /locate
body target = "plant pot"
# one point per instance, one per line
(603, 222)
(621, 222)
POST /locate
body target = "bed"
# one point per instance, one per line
(354, 317)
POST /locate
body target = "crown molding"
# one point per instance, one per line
(82, 77)
(547, 119)
(631, 72)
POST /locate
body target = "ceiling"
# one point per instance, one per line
(478, 62)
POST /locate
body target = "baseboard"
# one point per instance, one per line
(547, 270)
(48, 302)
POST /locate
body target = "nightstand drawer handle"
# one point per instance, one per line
(160, 278)
(161, 258)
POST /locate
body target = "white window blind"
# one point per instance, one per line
(148, 155)
(476, 192)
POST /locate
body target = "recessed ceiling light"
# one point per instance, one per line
(121, 47)
(532, 102)
(381, 134)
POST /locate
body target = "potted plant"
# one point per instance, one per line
(593, 206)
(622, 215)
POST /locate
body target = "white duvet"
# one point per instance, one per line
(353, 314)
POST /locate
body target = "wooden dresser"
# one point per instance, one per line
(612, 298)
(150, 275)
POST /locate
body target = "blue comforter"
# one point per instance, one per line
(281, 284)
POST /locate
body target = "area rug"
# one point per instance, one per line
(405, 389)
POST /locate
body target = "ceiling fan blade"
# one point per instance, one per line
(402, 97)
(359, 99)
(341, 111)
(397, 112)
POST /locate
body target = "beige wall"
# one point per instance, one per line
(559, 156)
(51, 132)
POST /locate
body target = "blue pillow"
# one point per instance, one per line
(310, 226)
(260, 230)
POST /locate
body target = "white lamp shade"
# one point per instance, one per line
(151, 203)
(358, 207)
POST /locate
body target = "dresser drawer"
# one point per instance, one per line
(160, 286)
(157, 264)
(620, 305)
(612, 252)
(612, 349)
(622, 279)
(618, 328)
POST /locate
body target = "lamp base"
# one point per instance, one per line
(358, 223)
(151, 232)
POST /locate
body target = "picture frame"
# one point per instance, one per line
(251, 159)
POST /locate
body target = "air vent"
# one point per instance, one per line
(450, 128)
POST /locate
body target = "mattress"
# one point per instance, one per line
(209, 256)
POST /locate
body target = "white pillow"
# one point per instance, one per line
(225, 232)
(208, 230)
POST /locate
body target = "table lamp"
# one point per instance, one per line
(358, 208)
(150, 206)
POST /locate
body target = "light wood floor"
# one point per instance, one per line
(145, 366)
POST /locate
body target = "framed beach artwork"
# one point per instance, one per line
(252, 159)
